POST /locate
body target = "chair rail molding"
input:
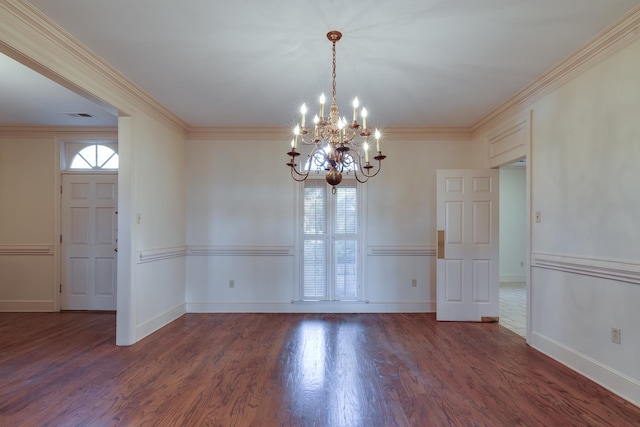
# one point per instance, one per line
(159, 254)
(26, 249)
(374, 250)
(618, 270)
(240, 250)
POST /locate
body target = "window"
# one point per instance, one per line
(95, 156)
(330, 242)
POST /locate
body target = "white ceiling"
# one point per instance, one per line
(253, 62)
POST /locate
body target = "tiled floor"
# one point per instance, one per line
(513, 303)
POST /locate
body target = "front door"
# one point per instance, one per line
(89, 233)
(468, 282)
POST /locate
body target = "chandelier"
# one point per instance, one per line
(334, 145)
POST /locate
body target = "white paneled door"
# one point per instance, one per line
(467, 252)
(89, 237)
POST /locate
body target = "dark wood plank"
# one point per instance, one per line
(289, 370)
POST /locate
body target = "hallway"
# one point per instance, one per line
(513, 307)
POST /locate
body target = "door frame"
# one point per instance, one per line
(506, 143)
(90, 137)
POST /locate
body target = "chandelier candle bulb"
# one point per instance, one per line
(364, 118)
(377, 134)
(366, 152)
(355, 109)
(322, 100)
(303, 111)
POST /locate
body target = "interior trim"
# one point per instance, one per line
(240, 250)
(152, 255)
(619, 270)
(34, 39)
(623, 385)
(615, 37)
(26, 249)
(401, 250)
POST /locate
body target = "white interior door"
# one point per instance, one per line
(89, 237)
(467, 264)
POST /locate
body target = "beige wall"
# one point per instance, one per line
(27, 222)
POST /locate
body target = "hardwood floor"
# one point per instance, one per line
(60, 369)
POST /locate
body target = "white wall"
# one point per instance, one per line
(160, 224)
(513, 224)
(585, 257)
(242, 225)
(585, 185)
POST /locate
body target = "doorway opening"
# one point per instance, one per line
(513, 247)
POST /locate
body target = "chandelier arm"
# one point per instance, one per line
(362, 170)
(298, 176)
(360, 180)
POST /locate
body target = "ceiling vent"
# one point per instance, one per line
(85, 115)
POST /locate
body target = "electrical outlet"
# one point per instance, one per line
(232, 283)
(616, 336)
(414, 283)
(538, 216)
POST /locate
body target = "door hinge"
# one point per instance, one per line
(61, 189)
(61, 238)
(60, 287)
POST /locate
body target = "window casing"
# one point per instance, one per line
(330, 242)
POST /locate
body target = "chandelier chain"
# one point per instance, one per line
(333, 75)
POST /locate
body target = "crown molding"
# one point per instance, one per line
(427, 134)
(609, 41)
(30, 37)
(239, 133)
(284, 134)
(60, 132)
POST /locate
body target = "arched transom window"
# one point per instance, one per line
(95, 156)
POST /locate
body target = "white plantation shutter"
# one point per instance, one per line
(345, 242)
(315, 240)
(330, 241)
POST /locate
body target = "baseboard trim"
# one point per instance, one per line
(150, 326)
(618, 383)
(311, 307)
(27, 305)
